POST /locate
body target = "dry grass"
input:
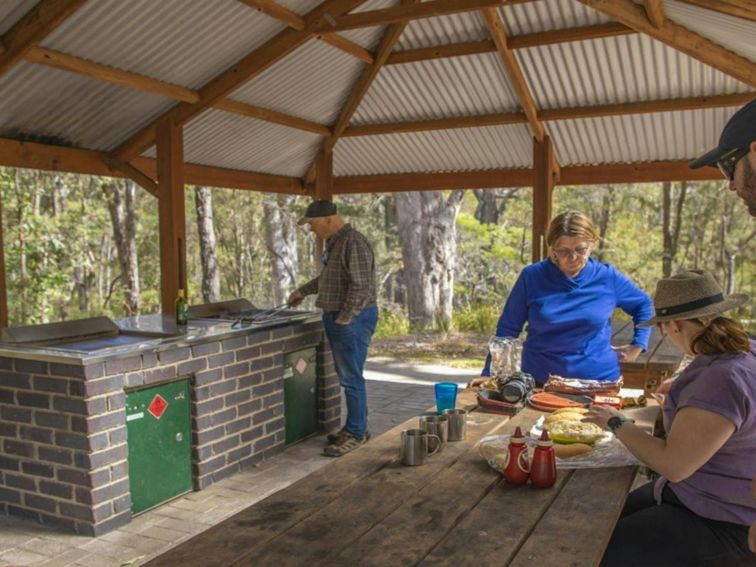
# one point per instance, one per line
(456, 349)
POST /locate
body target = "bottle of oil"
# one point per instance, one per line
(182, 308)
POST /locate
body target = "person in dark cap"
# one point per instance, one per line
(735, 155)
(346, 294)
(699, 511)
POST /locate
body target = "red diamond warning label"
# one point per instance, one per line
(157, 406)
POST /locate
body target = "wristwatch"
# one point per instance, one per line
(615, 422)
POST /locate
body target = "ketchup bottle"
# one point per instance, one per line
(543, 469)
(517, 465)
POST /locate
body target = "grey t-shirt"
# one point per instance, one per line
(724, 384)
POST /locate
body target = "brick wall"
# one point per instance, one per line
(63, 457)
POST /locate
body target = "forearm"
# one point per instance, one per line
(653, 452)
(310, 287)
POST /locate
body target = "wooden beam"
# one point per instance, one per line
(682, 39)
(33, 27)
(244, 70)
(655, 12)
(171, 216)
(56, 158)
(409, 12)
(745, 9)
(136, 175)
(3, 285)
(512, 67)
(574, 113)
(649, 172)
(582, 33)
(271, 116)
(543, 189)
(58, 60)
(295, 21)
(324, 176)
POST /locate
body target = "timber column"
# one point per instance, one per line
(3, 293)
(543, 188)
(170, 178)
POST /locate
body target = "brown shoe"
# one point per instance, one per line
(337, 437)
(348, 443)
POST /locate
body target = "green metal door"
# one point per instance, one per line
(158, 424)
(300, 394)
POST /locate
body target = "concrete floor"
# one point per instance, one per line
(396, 392)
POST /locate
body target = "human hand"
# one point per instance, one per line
(664, 387)
(341, 320)
(475, 382)
(600, 415)
(627, 353)
(295, 298)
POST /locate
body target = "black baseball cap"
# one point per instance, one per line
(739, 132)
(316, 209)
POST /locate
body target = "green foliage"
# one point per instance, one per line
(480, 319)
(391, 323)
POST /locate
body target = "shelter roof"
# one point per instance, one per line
(439, 87)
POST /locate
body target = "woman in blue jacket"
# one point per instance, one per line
(567, 302)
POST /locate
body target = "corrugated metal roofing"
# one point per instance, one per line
(610, 70)
(442, 30)
(533, 17)
(13, 10)
(221, 139)
(440, 88)
(638, 138)
(185, 42)
(464, 149)
(312, 83)
(46, 103)
(736, 34)
(367, 38)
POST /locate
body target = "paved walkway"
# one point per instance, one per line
(396, 392)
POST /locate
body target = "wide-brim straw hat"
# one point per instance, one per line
(691, 295)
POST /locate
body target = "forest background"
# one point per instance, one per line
(78, 246)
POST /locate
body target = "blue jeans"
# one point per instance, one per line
(349, 344)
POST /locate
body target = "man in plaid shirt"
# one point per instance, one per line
(346, 294)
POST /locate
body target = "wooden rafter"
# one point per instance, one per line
(512, 67)
(745, 9)
(582, 33)
(573, 113)
(244, 70)
(57, 158)
(32, 28)
(655, 12)
(271, 116)
(138, 176)
(680, 38)
(295, 21)
(408, 12)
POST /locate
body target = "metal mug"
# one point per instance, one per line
(457, 424)
(435, 425)
(415, 446)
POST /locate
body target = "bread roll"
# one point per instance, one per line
(570, 410)
(571, 450)
(564, 416)
(575, 431)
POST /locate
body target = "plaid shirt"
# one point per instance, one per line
(347, 282)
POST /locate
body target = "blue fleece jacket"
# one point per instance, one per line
(569, 320)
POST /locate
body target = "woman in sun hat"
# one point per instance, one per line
(699, 511)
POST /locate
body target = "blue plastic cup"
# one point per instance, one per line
(446, 396)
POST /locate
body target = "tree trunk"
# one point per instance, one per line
(203, 200)
(428, 237)
(492, 203)
(671, 226)
(281, 239)
(120, 197)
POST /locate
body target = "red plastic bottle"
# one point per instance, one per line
(517, 465)
(543, 469)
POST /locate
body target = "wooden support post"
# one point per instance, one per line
(3, 294)
(543, 187)
(324, 174)
(170, 179)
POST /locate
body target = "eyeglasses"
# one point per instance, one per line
(729, 160)
(581, 251)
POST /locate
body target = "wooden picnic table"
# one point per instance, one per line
(366, 508)
(654, 365)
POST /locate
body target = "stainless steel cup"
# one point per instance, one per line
(457, 424)
(415, 446)
(435, 425)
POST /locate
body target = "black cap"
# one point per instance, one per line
(317, 209)
(739, 132)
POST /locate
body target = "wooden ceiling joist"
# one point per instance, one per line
(32, 28)
(271, 116)
(57, 158)
(574, 113)
(745, 9)
(236, 75)
(655, 12)
(678, 37)
(295, 21)
(551, 37)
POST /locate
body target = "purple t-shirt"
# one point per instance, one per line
(724, 384)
